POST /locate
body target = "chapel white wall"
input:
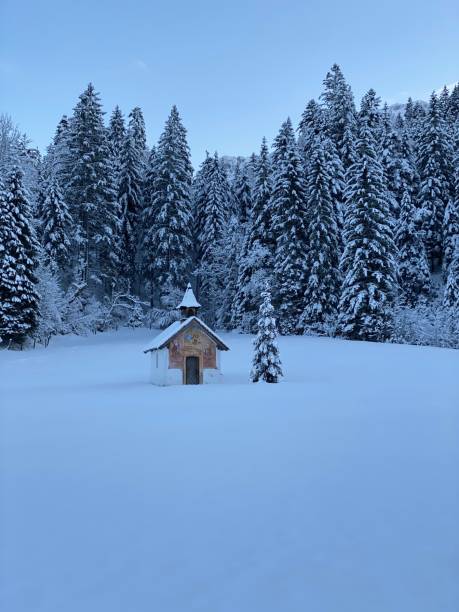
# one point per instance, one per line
(160, 373)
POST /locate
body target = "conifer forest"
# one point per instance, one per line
(351, 218)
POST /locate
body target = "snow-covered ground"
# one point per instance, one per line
(334, 491)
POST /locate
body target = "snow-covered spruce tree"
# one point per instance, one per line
(55, 226)
(451, 296)
(262, 230)
(312, 124)
(16, 152)
(116, 137)
(408, 177)
(251, 167)
(451, 220)
(136, 126)
(288, 209)
(226, 264)
(370, 115)
(453, 109)
(256, 260)
(171, 239)
(369, 278)
(408, 115)
(212, 215)
(147, 227)
(242, 193)
(450, 232)
(412, 266)
(435, 153)
(266, 364)
(323, 277)
(391, 160)
(129, 203)
(199, 196)
(451, 301)
(337, 186)
(217, 273)
(340, 111)
(18, 262)
(415, 116)
(58, 162)
(214, 206)
(149, 180)
(91, 197)
(443, 102)
(9, 144)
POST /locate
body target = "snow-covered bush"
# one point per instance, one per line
(122, 308)
(50, 305)
(81, 314)
(428, 324)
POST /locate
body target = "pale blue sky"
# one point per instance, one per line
(234, 69)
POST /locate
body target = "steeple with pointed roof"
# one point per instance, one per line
(189, 305)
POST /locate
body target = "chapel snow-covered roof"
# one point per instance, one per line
(162, 339)
(189, 300)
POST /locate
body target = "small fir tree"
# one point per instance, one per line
(266, 363)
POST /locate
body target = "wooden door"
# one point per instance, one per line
(192, 370)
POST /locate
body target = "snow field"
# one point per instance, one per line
(335, 490)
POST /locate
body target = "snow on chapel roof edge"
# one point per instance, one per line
(164, 337)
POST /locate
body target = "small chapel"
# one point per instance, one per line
(187, 352)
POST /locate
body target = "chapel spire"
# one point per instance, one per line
(189, 305)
